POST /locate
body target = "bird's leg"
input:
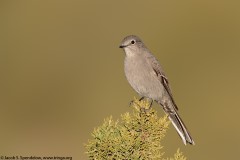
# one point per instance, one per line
(131, 102)
(141, 98)
(151, 104)
(147, 109)
(143, 109)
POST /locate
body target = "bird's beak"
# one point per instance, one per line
(122, 46)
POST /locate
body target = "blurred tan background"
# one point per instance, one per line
(62, 71)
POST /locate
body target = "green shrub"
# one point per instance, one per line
(136, 136)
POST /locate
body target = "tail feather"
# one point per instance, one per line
(181, 128)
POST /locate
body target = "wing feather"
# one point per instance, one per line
(162, 77)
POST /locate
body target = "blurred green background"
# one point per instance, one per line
(62, 71)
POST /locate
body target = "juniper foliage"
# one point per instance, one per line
(137, 135)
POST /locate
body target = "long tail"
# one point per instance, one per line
(181, 128)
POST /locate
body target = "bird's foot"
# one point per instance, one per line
(132, 101)
(144, 109)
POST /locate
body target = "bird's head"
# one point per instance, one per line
(131, 44)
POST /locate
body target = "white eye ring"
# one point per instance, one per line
(133, 41)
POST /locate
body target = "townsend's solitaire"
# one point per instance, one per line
(146, 76)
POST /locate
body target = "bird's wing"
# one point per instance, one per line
(161, 75)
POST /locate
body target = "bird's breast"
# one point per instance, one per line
(142, 77)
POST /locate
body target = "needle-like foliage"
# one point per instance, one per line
(137, 135)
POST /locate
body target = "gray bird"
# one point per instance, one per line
(146, 76)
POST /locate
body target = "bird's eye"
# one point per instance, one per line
(133, 42)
